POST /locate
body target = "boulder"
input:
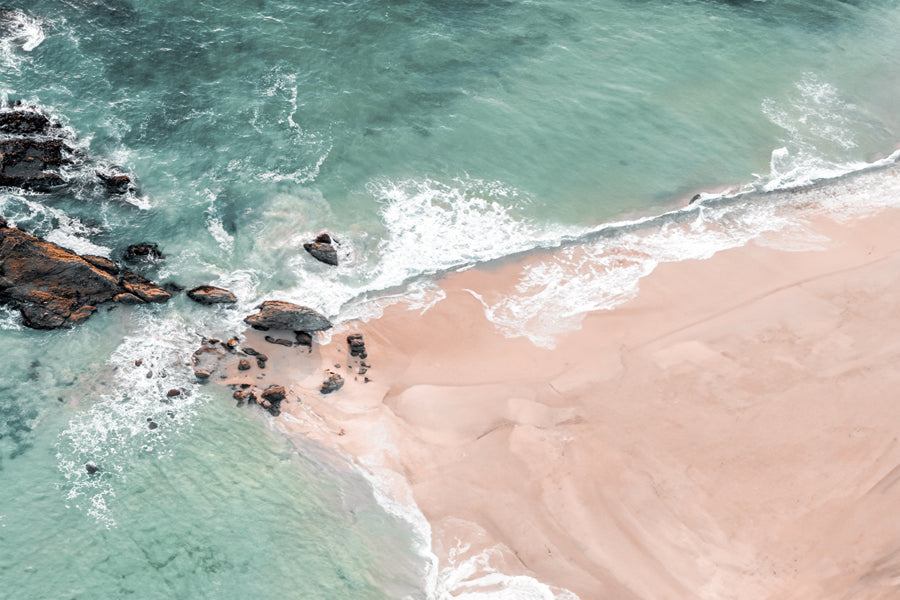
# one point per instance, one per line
(243, 365)
(144, 288)
(303, 339)
(322, 252)
(276, 314)
(207, 294)
(91, 468)
(333, 382)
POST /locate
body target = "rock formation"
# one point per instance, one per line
(207, 294)
(54, 287)
(275, 314)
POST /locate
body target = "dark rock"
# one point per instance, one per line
(149, 374)
(276, 314)
(279, 341)
(29, 164)
(323, 238)
(152, 425)
(694, 199)
(249, 351)
(303, 339)
(213, 341)
(356, 343)
(138, 362)
(271, 399)
(260, 363)
(202, 374)
(23, 122)
(173, 393)
(232, 344)
(322, 252)
(363, 369)
(207, 294)
(333, 382)
(144, 288)
(262, 357)
(274, 393)
(244, 365)
(115, 180)
(102, 263)
(91, 468)
(143, 252)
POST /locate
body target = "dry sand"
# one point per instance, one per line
(729, 433)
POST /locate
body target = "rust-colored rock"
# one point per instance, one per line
(54, 287)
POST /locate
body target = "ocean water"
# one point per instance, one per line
(426, 136)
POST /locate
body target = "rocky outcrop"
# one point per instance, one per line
(32, 164)
(207, 294)
(276, 314)
(54, 287)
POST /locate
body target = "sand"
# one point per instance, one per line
(730, 433)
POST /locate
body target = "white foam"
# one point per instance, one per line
(114, 430)
(554, 294)
(18, 31)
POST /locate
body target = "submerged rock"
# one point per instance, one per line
(91, 468)
(143, 252)
(115, 180)
(276, 314)
(207, 294)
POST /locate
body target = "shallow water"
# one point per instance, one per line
(426, 136)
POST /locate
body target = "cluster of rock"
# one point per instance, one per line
(269, 399)
(34, 150)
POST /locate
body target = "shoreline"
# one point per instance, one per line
(704, 439)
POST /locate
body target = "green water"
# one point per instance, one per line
(426, 136)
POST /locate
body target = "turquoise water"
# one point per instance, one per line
(426, 136)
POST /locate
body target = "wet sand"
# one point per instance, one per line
(730, 433)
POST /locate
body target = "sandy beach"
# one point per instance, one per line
(730, 433)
